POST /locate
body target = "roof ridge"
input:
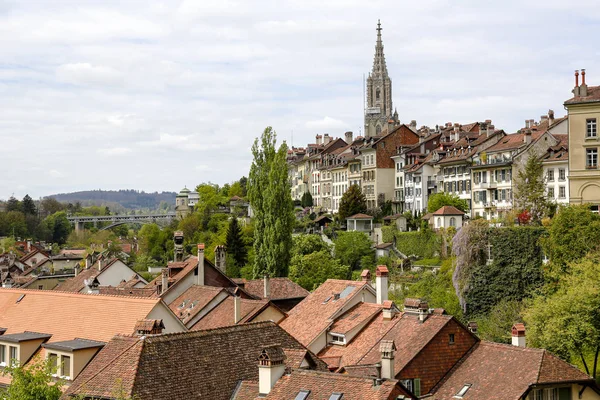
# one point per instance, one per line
(208, 332)
(539, 371)
(67, 293)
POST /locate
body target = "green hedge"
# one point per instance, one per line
(424, 244)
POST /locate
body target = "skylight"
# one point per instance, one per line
(464, 390)
(336, 396)
(346, 291)
(327, 299)
(302, 395)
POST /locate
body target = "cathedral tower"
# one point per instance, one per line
(379, 93)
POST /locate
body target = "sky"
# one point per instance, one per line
(158, 95)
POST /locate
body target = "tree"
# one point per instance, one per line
(28, 206)
(235, 243)
(50, 205)
(530, 188)
(351, 247)
(353, 202)
(439, 200)
(311, 270)
(573, 233)
(269, 191)
(567, 322)
(13, 204)
(58, 226)
(307, 200)
(32, 382)
(307, 244)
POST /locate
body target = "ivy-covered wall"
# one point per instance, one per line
(425, 244)
(514, 273)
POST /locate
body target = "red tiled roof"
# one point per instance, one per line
(77, 283)
(360, 216)
(504, 372)
(312, 315)
(281, 288)
(593, 96)
(193, 300)
(357, 315)
(192, 365)
(448, 210)
(223, 314)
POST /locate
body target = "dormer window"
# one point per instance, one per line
(336, 338)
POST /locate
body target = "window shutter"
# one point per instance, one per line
(417, 384)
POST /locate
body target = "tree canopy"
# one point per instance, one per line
(438, 200)
(32, 382)
(270, 198)
(353, 202)
(352, 248)
(530, 189)
(310, 270)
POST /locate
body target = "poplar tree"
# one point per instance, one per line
(235, 243)
(270, 198)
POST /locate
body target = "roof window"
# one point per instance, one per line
(463, 391)
(346, 291)
(336, 396)
(302, 395)
(327, 300)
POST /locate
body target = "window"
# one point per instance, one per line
(65, 362)
(439, 222)
(13, 354)
(336, 396)
(452, 221)
(451, 338)
(551, 175)
(2, 354)
(561, 174)
(551, 193)
(53, 358)
(338, 339)
(591, 128)
(464, 390)
(562, 192)
(302, 395)
(591, 158)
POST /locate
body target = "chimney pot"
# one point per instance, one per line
(583, 77)
(237, 309)
(576, 78)
(164, 280)
(271, 367)
(365, 276)
(387, 348)
(349, 136)
(381, 283)
(200, 277)
(267, 287)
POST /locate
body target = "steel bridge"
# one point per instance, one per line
(116, 220)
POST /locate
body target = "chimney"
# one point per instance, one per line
(271, 367)
(576, 88)
(267, 287)
(583, 87)
(413, 125)
(456, 127)
(164, 280)
(326, 138)
(526, 124)
(200, 272)
(527, 136)
(387, 348)
(389, 310)
(490, 130)
(348, 136)
(220, 257)
(472, 326)
(100, 262)
(237, 309)
(550, 117)
(365, 276)
(28, 245)
(87, 261)
(381, 283)
(318, 139)
(149, 327)
(518, 335)
(76, 270)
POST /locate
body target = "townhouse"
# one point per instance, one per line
(584, 113)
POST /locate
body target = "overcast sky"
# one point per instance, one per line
(155, 95)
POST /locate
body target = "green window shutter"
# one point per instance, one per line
(417, 387)
(564, 393)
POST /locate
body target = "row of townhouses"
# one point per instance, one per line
(405, 165)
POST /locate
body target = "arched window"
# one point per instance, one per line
(378, 130)
(377, 94)
(452, 221)
(439, 222)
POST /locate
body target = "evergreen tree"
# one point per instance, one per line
(235, 243)
(530, 188)
(269, 193)
(307, 200)
(13, 204)
(353, 202)
(439, 200)
(28, 206)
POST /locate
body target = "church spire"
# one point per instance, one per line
(379, 66)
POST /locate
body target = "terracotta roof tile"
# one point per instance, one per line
(313, 314)
(357, 315)
(448, 210)
(77, 283)
(281, 288)
(193, 300)
(504, 372)
(223, 314)
(202, 364)
(593, 96)
(360, 216)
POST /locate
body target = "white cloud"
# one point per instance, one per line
(327, 123)
(87, 74)
(53, 173)
(114, 151)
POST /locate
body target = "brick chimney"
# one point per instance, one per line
(365, 276)
(200, 270)
(271, 367)
(348, 136)
(164, 280)
(527, 136)
(381, 283)
(266, 287)
(518, 335)
(237, 309)
(387, 348)
(576, 88)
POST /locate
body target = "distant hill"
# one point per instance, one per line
(128, 199)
